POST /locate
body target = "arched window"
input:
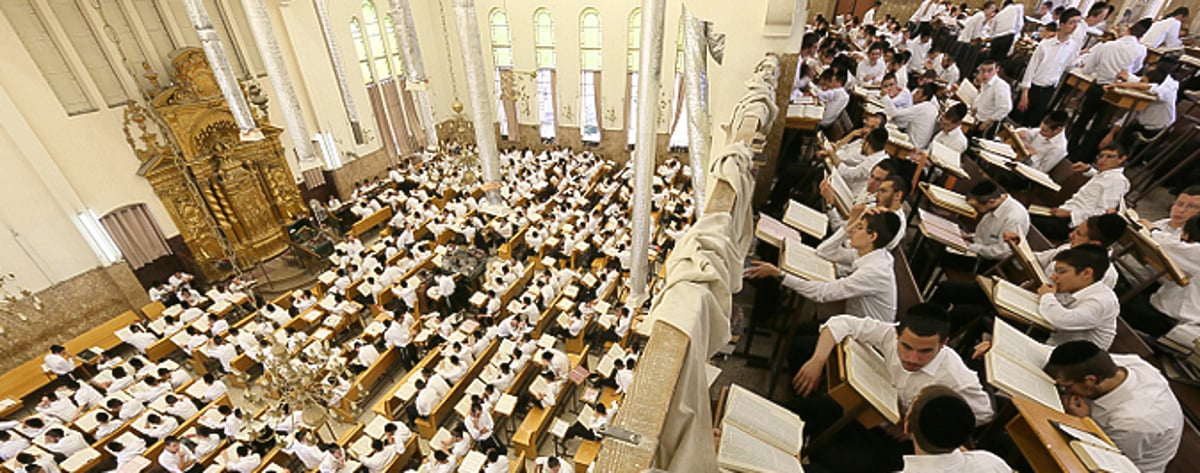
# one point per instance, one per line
(501, 38)
(543, 45)
(589, 81)
(389, 32)
(360, 48)
(633, 53)
(374, 31)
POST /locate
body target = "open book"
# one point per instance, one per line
(967, 92)
(843, 197)
(946, 158)
(867, 373)
(773, 231)
(1025, 255)
(1014, 365)
(948, 199)
(1095, 453)
(1037, 176)
(942, 230)
(1015, 301)
(758, 435)
(1182, 337)
(802, 260)
(997, 148)
(805, 219)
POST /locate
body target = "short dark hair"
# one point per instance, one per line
(1191, 229)
(1106, 228)
(925, 320)
(1139, 29)
(1089, 256)
(940, 420)
(877, 138)
(1056, 119)
(1178, 11)
(899, 183)
(170, 439)
(877, 46)
(1193, 190)
(1099, 8)
(1068, 14)
(1121, 150)
(1075, 360)
(984, 191)
(884, 226)
(956, 112)
(883, 120)
(988, 62)
(929, 90)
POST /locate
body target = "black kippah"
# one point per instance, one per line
(928, 310)
(1073, 353)
(1112, 226)
(946, 422)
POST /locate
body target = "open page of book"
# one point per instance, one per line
(967, 92)
(946, 158)
(1082, 436)
(1184, 335)
(897, 136)
(998, 148)
(742, 452)
(1038, 177)
(773, 231)
(801, 260)
(805, 219)
(841, 191)
(1025, 254)
(768, 421)
(1016, 299)
(1102, 459)
(942, 229)
(1022, 348)
(1019, 379)
(948, 199)
(866, 372)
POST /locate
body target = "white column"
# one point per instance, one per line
(335, 57)
(416, 81)
(695, 67)
(649, 79)
(220, 67)
(481, 104)
(268, 48)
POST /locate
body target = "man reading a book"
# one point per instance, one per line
(1104, 192)
(1127, 397)
(847, 149)
(1171, 304)
(940, 423)
(1102, 230)
(1079, 306)
(870, 289)
(857, 172)
(914, 358)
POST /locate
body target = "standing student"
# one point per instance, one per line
(869, 17)
(1104, 192)
(1165, 32)
(1108, 62)
(940, 423)
(1050, 59)
(1127, 397)
(995, 97)
(974, 28)
(1005, 27)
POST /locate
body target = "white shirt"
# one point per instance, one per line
(920, 120)
(427, 399)
(869, 290)
(972, 28)
(955, 140)
(835, 101)
(173, 462)
(1164, 32)
(919, 50)
(87, 397)
(870, 73)
(246, 464)
(974, 461)
(1087, 314)
(1009, 20)
(1180, 302)
(1161, 113)
(1141, 415)
(57, 364)
(946, 368)
(1103, 191)
(869, 17)
(994, 101)
(1107, 59)
(71, 442)
(856, 176)
(948, 75)
(1049, 60)
(1047, 152)
(1009, 216)
(1046, 259)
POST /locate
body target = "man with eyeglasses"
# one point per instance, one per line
(1127, 397)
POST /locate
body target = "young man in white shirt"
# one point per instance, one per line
(1078, 304)
(1048, 142)
(871, 70)
(1104, 192)
(870, 154)
(1005, 27)
(915, 356)
(1165, 32)
(950, 131)
(995, 97)
(1101, 230)
(943, 63)
(869, 17)
(59, 361)
(974, 28)
(176, 458)
(919, 120)
(1050, 58)
(1108, 62)
(832, 95)
(940, 423)
(1171, 304)
(1158, 115)
(1127, 397)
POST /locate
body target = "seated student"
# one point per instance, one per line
(870, 289)
(58, 361)
(495, 463)
(890, 90)
(1101, 230)
(995, 97)
(125, 453)
(1185, 206)
(215, 388)
(59, 407)
(998, 212)
(1104, 192)
(871, 153)
(832, 95)
(11, 444)
(176, 458)
(1127, 397)
(481, 427)
(41, 463)
(946, 69)
(1077, 304)
(381, 454)
(182, 408)
(304, 448)
(915, 358)
(871, 70)
(1158, 115)
(63, 441)
(246, 460)
(140, 338)
(549, 398)
(940, 423)
(589, 429)
(920, 120)
(1172, 304)
(552, 465)
(848, 148)
(105, 424)
(333, 458)
(441, 463)
(427, 398)
(1047, 142)
(950, 131)
(158, 426)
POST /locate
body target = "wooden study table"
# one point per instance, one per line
(1045, 447)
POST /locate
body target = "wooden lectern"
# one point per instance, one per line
(1045, 447)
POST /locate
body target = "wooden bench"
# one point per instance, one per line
(427, 426)
(153, 310)
(23, 380)
(527, 436)
(103, 336)
(389, 404)
(371, 221)
(367, 379)
(586, 454)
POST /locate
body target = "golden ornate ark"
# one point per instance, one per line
(242, 188)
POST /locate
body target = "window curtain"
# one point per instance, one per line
(678, 104)
(135, 232)
(381, 122)
(510, 105)
(596, 98)
(395, 109)
(417, 129)
(554, 97)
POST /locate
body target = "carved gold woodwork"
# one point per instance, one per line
(244, 189)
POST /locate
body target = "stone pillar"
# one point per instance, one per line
(268, 48)
(481, 104)
(649, 80)
(416, 81)
(230, 88)
(695, 67)
(335, 57)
